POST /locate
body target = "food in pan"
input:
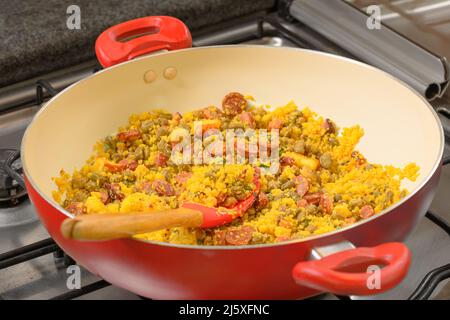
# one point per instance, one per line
(321, 182)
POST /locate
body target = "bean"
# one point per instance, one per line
(162, 131)
(273, 184)
(299, 147)
(287, 185)
(325, 160)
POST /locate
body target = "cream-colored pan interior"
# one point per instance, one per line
(399, 125)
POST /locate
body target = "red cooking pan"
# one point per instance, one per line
(400, 127)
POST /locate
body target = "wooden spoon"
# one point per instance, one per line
(109, 226)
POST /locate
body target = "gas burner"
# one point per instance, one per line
(12, 191)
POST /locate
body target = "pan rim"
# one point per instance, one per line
(419, 187)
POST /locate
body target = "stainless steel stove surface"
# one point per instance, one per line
(33, 267)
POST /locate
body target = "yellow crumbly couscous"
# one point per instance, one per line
(322, 183)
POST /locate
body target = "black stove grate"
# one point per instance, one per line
(12, 186)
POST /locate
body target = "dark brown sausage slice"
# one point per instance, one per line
(233, 103)
(239, 236)
(262, 201)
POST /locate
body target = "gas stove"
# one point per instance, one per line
(33, 267)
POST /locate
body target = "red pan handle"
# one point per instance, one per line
(345, 272)
(137, 37)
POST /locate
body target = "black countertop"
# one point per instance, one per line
(35, 39)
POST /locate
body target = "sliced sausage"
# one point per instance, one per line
(287, 161)
(366, 212)
(239, 235)
(326, 203)
(360, 160)
(114, 191)
(233, 103)
(121, 166)
(229, 202)
(282, 238)
(313, 198)
(247, 119)
(163, 188)
(302, 203)
(76, 208)
(301, 185)
(104, 197)
(129, 164)
(329, 126)
(129, 135)
(161, 159)
(211, 113)
(219, 237)
(183, 177)
(275, 123)
(262, 201)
